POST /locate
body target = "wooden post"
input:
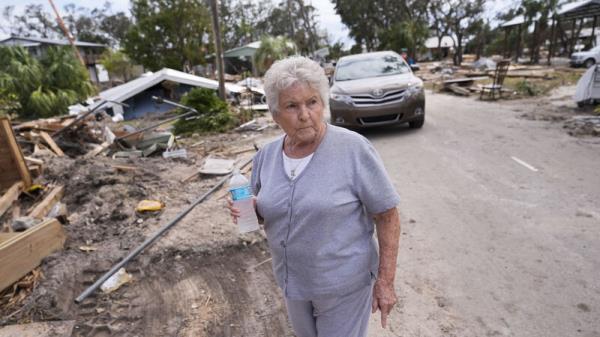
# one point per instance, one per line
(67, 33)
(218, 47)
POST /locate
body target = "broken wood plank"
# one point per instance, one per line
(7, 236)
(46, 137)
(99, 149)
(42, 209)
(10, 196)
(39, 329)
(25, 251)
(34, 160)
(12, 163)
(35, 170)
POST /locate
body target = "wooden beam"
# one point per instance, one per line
(34, 161)
(7, 236)
(46, 137)
(25, 251)
(42, 209)
(11, 158)
(99, 149)
(10, 196)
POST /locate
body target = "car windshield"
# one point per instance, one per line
(375, 66)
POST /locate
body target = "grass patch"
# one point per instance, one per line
(531, 87)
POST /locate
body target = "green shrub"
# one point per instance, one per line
(528, 88)
(214, 113)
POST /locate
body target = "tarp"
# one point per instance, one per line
(588, 87)
(484, 64)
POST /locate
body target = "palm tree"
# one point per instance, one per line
(272, 49)
(44, 87)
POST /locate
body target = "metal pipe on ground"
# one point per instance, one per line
(87, 292)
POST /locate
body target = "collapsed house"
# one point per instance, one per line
(134, 99)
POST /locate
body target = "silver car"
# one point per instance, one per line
(376, 89)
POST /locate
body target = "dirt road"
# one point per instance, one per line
(501, 233)
(501, 224)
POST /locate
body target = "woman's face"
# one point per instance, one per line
(300, 113)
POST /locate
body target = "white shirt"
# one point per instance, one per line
(294, 166)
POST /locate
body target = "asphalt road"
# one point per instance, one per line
(500, 224)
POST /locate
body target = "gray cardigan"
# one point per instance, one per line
(319, 226)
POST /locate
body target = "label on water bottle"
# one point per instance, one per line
(240, 193)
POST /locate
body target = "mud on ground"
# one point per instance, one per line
(201, 279)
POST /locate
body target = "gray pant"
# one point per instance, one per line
(345, 316)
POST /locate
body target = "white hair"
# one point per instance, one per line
(292, 70)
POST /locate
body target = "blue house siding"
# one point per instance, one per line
(142, 105)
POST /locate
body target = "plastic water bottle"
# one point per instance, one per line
(241, 194)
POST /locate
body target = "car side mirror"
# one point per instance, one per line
(415, 67)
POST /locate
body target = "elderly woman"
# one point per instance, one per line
(321, 190)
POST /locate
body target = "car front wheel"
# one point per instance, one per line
(589, 62)
(417, 123)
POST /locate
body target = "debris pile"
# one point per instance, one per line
(86, 207)
(583, 126)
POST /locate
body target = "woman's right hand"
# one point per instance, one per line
(235, 212)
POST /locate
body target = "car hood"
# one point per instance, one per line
(582, 54)
(367, 85)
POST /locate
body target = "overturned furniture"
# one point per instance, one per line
(496, 86)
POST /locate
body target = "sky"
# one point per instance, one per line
(329, 20)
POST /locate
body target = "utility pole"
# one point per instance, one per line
(218, 47)
(61, 23)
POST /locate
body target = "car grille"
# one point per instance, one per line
(379, 119)
(388, 97)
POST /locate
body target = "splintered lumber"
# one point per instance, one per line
(99, 149)
(34, 161)
(23, 252)
(7, 199)
(46, 137)
(12, 164)
(42, 209)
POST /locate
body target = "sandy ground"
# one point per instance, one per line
(489, 246)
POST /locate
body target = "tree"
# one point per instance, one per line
(272, 49)
(531, 10)
(46, 87)
(169, 33)
(35, 21)
(90, 25)
(117, 64)
(461, 14)
(385, 24)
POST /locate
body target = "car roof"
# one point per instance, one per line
(367, 55)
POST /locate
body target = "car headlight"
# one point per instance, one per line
(342, 98)
(414, 88)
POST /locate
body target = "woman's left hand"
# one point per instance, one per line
(384, 299)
